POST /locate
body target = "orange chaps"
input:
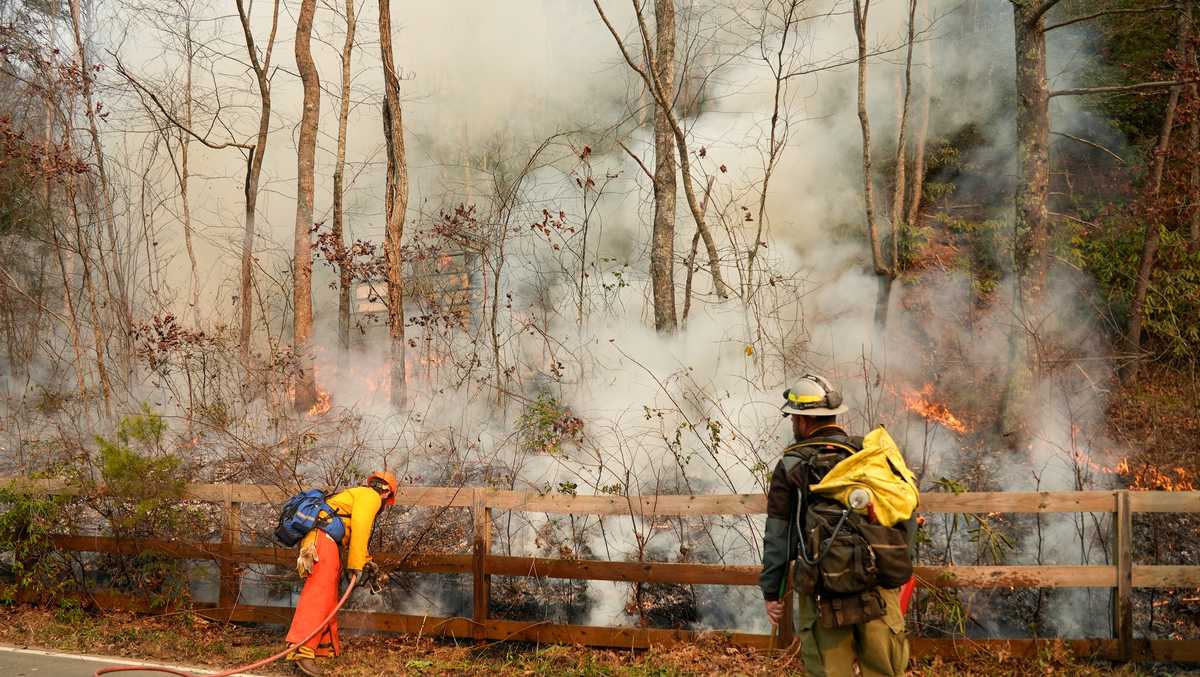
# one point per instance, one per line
(317, 600)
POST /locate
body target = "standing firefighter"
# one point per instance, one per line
(841, 508)
(320, 564)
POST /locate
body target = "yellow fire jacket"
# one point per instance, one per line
(357, 507)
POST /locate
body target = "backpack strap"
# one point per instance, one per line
(852, 446)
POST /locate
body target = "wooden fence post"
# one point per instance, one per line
(481, 585)
(1122, 621)
(231, 537)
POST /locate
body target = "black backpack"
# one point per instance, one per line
(840, 552)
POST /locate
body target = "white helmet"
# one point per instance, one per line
(813, 396)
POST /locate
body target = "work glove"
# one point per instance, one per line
(373, 578)
(307, 558)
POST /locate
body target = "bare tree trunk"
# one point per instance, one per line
(254, 166)
(1033, 148)
(302, 319)
(184, 172)
(902, 145)
(861, 9)
(121, 297)
(691, 259)
(1031, 223)
(397, 205)
(1193, 199)
(98, 330)
(657, 89)
(339, 175)
(1133, 334)
(68, 302)
(917, 176)
(775, 142)
(662, 246)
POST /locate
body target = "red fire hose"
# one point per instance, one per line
(244, 668)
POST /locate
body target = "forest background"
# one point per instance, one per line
(582, 248)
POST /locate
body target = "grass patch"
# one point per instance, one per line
(188, 639)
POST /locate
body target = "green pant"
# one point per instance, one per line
(880, 647)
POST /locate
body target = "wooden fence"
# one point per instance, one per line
(1122, 577)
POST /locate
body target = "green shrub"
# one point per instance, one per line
(27, 525)
(1171, 315)
(143, 484)
(546, 426)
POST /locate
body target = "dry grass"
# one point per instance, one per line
(185, 638)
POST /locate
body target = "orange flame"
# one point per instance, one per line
(1145, 477)
(921, 403)
(323, 404)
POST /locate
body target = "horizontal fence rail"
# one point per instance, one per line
(1122, 577)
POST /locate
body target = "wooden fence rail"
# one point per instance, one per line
(1122, 577)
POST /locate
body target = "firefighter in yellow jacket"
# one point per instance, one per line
(320, 564)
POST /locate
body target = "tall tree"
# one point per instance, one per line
(1133, 334)
(917, 175)
(898, 213)
(339, 177)
(306, 149)
(662, 245)
(1032, 236)
(664, 103)
(110, 264)
(396, 203)
(261, 67)
(861, 13)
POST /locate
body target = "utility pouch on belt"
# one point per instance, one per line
(839, 612)
(889, 546)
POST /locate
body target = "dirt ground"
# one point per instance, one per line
(188, 639)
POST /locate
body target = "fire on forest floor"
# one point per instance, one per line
(185, 638)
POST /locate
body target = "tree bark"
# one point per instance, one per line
(917, 175)
(98, 329)
(396, 204)
(775, 142)
(898, 214)
(861, 9)
(121, 296)
(1033, 148)
(254, 165)
(649, 76)
(1031, 223)
(185, 172)
(339, 175)
(662, 246)
(302, 318)
(1193, 199)
(1133, 335)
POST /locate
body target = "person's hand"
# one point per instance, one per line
(774, 611)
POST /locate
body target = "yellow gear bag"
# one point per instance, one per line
(880, 469)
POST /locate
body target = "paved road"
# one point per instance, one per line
(32, 663)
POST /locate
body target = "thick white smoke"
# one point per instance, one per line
(484, 84)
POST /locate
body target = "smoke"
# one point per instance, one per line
(485, 84)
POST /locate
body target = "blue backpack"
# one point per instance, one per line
(302, 513)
